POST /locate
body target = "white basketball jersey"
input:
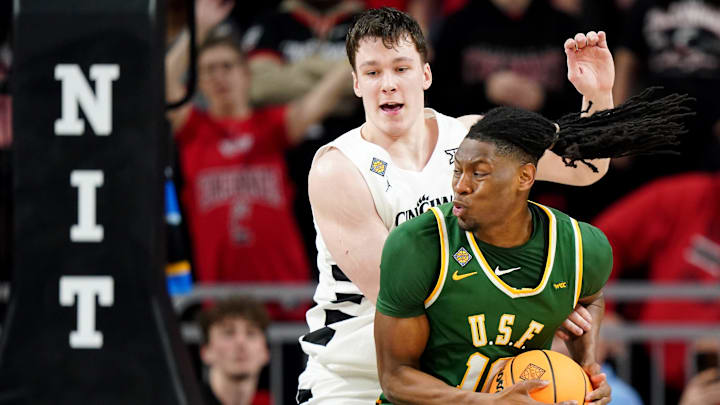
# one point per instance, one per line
(341, 324)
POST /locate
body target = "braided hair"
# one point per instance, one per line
(644, 124)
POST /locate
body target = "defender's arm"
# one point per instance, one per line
(348, 222)
(583, 349)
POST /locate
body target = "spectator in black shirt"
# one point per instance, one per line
(503, 52)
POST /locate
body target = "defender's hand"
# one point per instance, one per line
(600, 394)
(590, 65)
(579, 322)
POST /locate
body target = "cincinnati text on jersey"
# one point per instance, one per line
(423, 204)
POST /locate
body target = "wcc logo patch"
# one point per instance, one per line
(378, 166)
(462, 256)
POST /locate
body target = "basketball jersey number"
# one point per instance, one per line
(475, 368)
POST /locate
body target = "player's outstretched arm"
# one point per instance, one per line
(399, 344)
(348, 222)
(551, 167)
(592, 71)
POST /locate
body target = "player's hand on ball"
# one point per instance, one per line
(520, 393)
(590, 65)
(600, 394)
(579, 322)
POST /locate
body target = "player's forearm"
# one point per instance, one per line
(601, 101)
(408, 385)
(583, 348)
(551, 167)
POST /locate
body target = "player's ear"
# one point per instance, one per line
(427, 76)
(356, 88)
(526, 176)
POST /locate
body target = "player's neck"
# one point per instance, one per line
(510, 230)
(232, 391)
(411, 149)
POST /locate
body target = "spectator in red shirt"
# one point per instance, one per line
(671, 229)
(236, 187)
(234, 348)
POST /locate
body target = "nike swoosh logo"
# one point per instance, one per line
(457, 276)
(499, 272)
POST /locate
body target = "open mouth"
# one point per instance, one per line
(458, 209)
(391, 107)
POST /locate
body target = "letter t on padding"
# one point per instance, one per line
(86, 288)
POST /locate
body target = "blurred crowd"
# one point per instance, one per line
(274, 84)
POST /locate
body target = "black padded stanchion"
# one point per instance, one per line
(89, 320)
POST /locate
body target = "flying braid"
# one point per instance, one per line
(644, 124)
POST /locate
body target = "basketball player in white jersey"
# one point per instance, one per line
(391, 169)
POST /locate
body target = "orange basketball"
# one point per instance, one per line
(568, 381)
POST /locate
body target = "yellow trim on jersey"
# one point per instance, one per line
(521, 292)
(578, 261)
(442, 229)
(181, 267)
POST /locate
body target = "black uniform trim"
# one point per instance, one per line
(332, 316)
(356, 298)
(303, 396)
(320, 337)
(338, 274)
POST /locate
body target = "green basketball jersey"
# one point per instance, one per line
(469, 290)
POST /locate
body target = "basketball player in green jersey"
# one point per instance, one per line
(471, 283)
